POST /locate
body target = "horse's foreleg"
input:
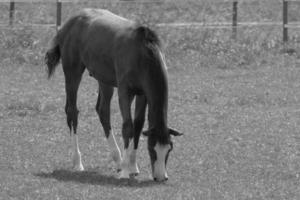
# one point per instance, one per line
(139, 119)
(103, 110)
(72, 83)
(125, 100)
(115, 150)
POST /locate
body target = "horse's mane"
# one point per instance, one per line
(149, 43)
(147, 36)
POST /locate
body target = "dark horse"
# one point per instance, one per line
(118, 53)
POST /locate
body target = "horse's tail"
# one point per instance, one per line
(52, 56)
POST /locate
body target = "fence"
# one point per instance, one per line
(234, 24)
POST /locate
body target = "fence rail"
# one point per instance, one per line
(233, 25)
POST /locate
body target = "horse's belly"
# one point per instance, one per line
(100, 66)
(103, 74)
(107, 80)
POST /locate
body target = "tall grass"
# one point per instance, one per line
(213, 47)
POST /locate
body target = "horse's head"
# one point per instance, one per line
(159, 147)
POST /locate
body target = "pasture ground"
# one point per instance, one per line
(236, 101)
(241, 137)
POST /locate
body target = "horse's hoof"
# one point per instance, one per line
(134, 170)
(124, 174)
(79, 168)
(132, 175)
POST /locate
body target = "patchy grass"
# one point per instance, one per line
(236, 101)
(241, 136)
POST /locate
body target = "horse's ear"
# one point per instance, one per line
(147, 132)
(174, 132)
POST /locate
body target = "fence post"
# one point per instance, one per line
(11, 12)
(285, 21)
(234, 19)
(58, 13)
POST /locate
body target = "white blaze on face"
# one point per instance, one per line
(160, 172)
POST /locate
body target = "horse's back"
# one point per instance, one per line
(91, 24)
(104, 30)
(102, 17)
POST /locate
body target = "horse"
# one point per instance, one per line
(123, 54)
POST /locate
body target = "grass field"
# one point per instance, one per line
(238, 103)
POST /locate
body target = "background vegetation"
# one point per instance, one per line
(236, 100)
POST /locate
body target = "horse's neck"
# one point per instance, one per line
(157, 117)
(158, 122)
(158, 105)
(156, 89)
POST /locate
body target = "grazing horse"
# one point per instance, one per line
(120, 53)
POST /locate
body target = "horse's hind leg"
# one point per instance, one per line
(73, 76)
(103, 110)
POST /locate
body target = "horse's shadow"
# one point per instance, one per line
(93, 177)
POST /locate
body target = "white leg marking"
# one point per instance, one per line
(77, 163)
(115, 150)
(124, 165)
(133, 167)
(129, 166)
